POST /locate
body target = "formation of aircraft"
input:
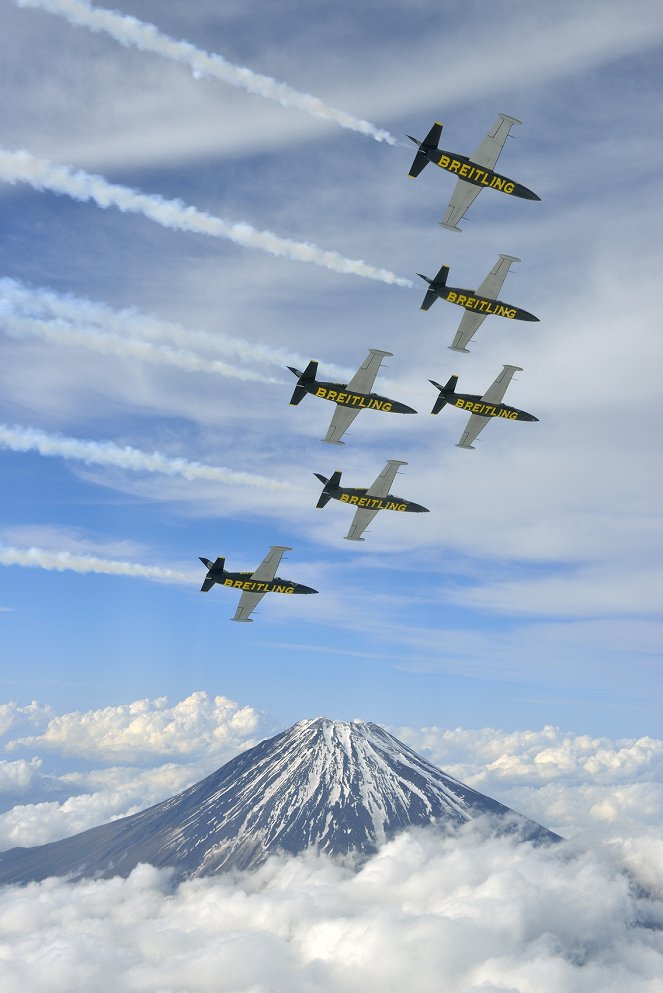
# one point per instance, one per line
(475, 172)
(350, 397)
(368, 502)
(253, 585)
(480, 408)
(479, 303)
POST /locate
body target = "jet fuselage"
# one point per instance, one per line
(473, 404)
(358, 498)
(469, 300)
(339, 394)
(471, 172)
(242, 581)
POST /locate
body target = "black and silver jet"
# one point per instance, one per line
(368, 502)
(349, 398)
(253, 585)
(479, 303)
(474, 172)
(480, 408)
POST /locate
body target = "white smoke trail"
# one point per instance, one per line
(83, 186)
(69, 314)
(107, 343)
(40, 558)
(129, 31)
(18, 439)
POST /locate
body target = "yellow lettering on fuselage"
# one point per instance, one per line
(509, 187)
(372, 503)
(353, 399)
(485, 409)
(452, 297)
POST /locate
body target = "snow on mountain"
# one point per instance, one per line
(337, 787)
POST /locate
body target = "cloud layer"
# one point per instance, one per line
(464, 913)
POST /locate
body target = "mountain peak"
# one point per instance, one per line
(335, 786)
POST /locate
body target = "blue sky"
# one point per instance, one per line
(531, 593)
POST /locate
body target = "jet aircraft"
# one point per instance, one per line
(367, 501)
(474, 172)
(253, 585)
(478, 303)
(350, 398)
(480, 408)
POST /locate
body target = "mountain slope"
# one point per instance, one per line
(333, 786)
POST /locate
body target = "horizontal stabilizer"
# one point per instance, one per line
(420, 163)
(207, 585)
(330, 484)
(429, 300)
(298, 395)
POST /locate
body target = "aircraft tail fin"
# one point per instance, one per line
(307, 376)
(441, 278)
(330, 484)
(429, 144)
(432, 139)
(446, 393)
(217, 566)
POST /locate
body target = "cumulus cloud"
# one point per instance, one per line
(461, 913)
(14, 717)
(146, 728)
(536, 757)
(19, 776)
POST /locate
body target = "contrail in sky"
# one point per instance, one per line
(40, 558)
(108, 343)
(78, 320)
(84, 186)
(18, 439)
(129, 31)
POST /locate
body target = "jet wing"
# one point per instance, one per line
(247, 603)
(384, 482)
(485, 155)
(492, 284)
(489, 150)
(267, 569)
(463, 196)
(475, 425)
(496, 390)
(360, 522)
(468, 327)
(341, 420)
(363, 379)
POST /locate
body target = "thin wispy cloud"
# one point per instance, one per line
(20, 439)
(22, 167)
(64, 561)
(131, 32)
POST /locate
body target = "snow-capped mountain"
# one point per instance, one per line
(337, 787)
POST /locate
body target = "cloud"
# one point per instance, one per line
(147, 37)
(537, 757)
(466, 913)
(14, 717)
(21, 166)
(19, 776)
(147, 728)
